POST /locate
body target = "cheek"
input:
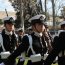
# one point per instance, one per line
(13, 27)
(7, 26)
(40, 28)
(43, 28)
(10, 27)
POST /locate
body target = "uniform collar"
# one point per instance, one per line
(8, 33)
(60, 31)
(38, 34)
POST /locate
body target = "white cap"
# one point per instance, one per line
(62, 23)
(6, 18)
(40, 16)
(20, 29)
(29, 27)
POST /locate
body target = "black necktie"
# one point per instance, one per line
(41, 46)
(62, 52)
(10, 36)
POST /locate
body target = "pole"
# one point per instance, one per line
(53, 9)
(41, 5)
(6, 12)
(46, 9)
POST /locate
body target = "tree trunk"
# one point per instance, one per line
(53, 9)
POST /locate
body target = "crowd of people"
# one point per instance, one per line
(35, 43)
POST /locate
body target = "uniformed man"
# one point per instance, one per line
(61, 56)
(38, 43)
(29, 30)
(8, 39)
(58, 47)
(20, 35)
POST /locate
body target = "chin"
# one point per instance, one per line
(10, 30)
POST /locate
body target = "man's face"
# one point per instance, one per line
(9, 27)
(21, 33)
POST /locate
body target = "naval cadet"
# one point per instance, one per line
(36, 51)
(8, 38)
(58, 47)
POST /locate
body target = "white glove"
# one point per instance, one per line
(35, 58)
(2, 63)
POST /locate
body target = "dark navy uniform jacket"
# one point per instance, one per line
(9, 42)
(59, 45)
(24, 46)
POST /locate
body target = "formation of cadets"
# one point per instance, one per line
(36, 43)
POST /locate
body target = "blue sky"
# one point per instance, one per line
(4, 4)
(57, 8)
